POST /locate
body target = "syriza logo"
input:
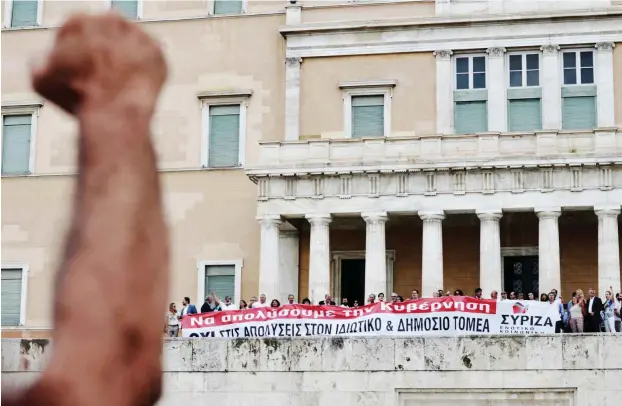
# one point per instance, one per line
(520, 308)
(520, 322)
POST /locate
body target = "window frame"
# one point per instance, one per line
(385, 90)
(8, 16)
(24, 291)
(23, 109)
(470, 56)
(206, 102)
(212, 10)
(577, 52)
(139, 9)
(202, 276)
(523, 69)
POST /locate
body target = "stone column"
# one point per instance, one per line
(496, 84)
(432, 252)
(292, 98)
(319, 262)
(608, 248)
(375, 253)
(269, 256)
(550, 83)
(604, 90)
(444, 92)
(489, 251)
(288, 262)
(548, 249)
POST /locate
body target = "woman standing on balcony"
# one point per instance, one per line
(576, 310)
(610, 306)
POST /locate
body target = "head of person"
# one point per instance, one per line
(252, 300)
(591, 292)
(415, 294)
(618, 296)
(478, 293)
(243, 304)
(575, 299)
(355, 304)
(521, 296)
(262, 298)
(371, 298)
(186, 301)
(306, 301)
(275, 303)
(227, 300)
(504, 295)
(580, 294)
(208, 300)
(554, 292)
(494, 294)
(544, 297)
(440, 293)
(448, 293)
(329, 299)
(290, 299)
(608, 295)
(530, 296)
(512, 295)
(551, 297)
(400, 299)
(172, 307)
(458, 292)
(394, 297)
(344, 301)
(381, 297)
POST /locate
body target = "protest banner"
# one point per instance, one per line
(446, 316)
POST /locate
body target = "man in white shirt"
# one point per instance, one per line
(227, 305)
(262, 302)
(290, 299)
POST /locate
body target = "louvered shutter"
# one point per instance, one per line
(16, 144)
(220, 279)
(470, 117)
(579, 113)
(127, 8)
(24, 13)
(524, 115)
(367, 116)
(11, 296)
(227, 6)
(224, 136)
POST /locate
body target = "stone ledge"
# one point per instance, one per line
(371, 354)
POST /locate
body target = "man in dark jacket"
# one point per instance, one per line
(328, 300)
(207, 306)
(594, 307)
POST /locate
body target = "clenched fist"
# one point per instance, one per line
(101, 60)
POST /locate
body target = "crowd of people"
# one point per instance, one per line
(577, 315)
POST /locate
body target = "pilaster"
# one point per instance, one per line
(292, 98)
(496, 85)
(605, 100)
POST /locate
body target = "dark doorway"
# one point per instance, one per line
(521, 275)
(353, 280)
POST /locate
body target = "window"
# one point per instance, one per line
(578, 67)
(367, 108)
(221, 277)
(228, 7)
(368, 116)
(470, 72)
(127, 8)
(22, 13)
(524, 70)
(13, 295)
(224, 136)
(16, 144)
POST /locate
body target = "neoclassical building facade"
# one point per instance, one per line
(345, 148)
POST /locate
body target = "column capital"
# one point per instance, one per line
(607, 211)
(443, 54)
(604, 46)
(489, 214)
(293, 62)
(432, 215)
(548, 212)
(319, 219)
(549, 49)
(375, 217)
(495, 52)
(269, 219)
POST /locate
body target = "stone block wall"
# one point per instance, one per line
(568, 370)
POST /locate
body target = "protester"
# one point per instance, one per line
(275, 303)
(381, 297)
(478, 293)
(355, 304)
(252, 301)
(594, 307)
(544, 297)
(344, 302)
(328, 301)
(530, 296)
(512, 295)
(207, 305)
(306, 301)
(494, 295)
(262, 302)
(393, 297)
(171, 328)
(226, 305)
(188, 308)
(458, 292)
(414, 294)
(371, 299)
(243, 305)
(575, 314)
(290, 299)
(504, 295)
(610, 306)
(400, 299)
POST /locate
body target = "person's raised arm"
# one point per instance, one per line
(112, 284)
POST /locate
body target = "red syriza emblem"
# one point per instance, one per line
(520, 308)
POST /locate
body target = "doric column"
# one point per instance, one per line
(550, 82)
(548, 249)
(489, 251)
(496, 84)
(432, 252)
(444, 92)
(269, 256)
(604, 80)
(319, 262)
(288, 261)
(608, 248)
(292, 98)
(375, 253)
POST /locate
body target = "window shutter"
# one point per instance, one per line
(24, 13)
(524, 115)
(367, 116)
(471, 117)
(127, 8)
(224, 136)
(227, 6)
(220, 279)
(11, 296)
(579, 113)
(16, 145)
